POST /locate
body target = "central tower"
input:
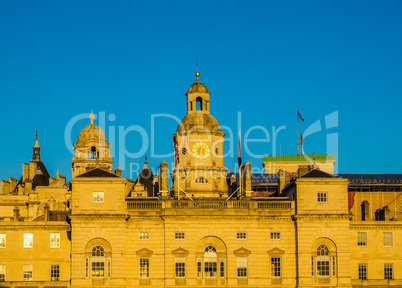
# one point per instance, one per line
(199, 169)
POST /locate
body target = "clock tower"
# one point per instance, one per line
(199, 168)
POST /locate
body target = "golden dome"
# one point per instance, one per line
(91, 134)
(202, 120)
(198, 87)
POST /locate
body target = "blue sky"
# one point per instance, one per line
(262, 59)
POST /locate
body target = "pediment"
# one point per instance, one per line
(276, 250)
(180, 251)
(144, 251)
(242, 251)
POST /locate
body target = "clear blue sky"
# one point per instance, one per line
(133, 59)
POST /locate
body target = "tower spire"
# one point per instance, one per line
(36, 148)
(197, 73)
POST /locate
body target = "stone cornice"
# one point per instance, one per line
(209, 217)
(376, 225)
(322, 217)
(92, 217)
(34, 226)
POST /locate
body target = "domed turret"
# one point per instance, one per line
(91, 149)
(198, 144)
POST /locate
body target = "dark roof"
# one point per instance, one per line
(261, 178)
(373, 178)
(97, 172)
(316, 173)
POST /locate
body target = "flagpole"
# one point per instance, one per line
(298, 140)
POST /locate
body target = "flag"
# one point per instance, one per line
(301, 139)
(239, 152)
(176, 151)
(299, 115)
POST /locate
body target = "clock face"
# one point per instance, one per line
(200, 150)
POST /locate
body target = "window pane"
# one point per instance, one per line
(144, 235)
(180, 235)
(222, 266)
(180, 267)
(2, 240)
(361, 238)
(55, 240)
(98, 197)
(2, 273)
(241, 266)
(199, 267)
(387, 239)
(28, 240)
(144, 267)
(54, 272)
(28, 272)
(362, 271)
(388, 270)
(98, 261)
(241, 235)
(276, 267)
(275, 235)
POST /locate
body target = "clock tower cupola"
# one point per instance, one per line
(199, 168)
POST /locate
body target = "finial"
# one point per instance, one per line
(92, 117)
(36, 134)
(197, 73)
(146, 158)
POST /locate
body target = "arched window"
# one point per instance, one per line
(199, 103)
(210, 262)
(201, 180)
(323, 260)
(98, 261)
(93, 152)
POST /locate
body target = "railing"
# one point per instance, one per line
(144, 205)
(209, 204)
(241, 204)
(275, 205)
(179, 204)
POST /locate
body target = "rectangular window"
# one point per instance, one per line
(388, 271)
(98, 197)
(276, 267)
(144, 267)
(28, 240)
(241, 266)
(180, 235)
(275, 236)
(98, 266)
(222, 266)
(312, 266)
(144, 235)
(199, 267)
(54, 240)
(28, 272)
(109, 267)
(241, 235)
(362, 271)
(2, 273)
(2, 240)
(180, 263)
(322, 197)
(333, 265)
(387, 239)
(361, 238)
(54, 272)
(86, 267)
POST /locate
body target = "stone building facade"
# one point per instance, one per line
(299, 226)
